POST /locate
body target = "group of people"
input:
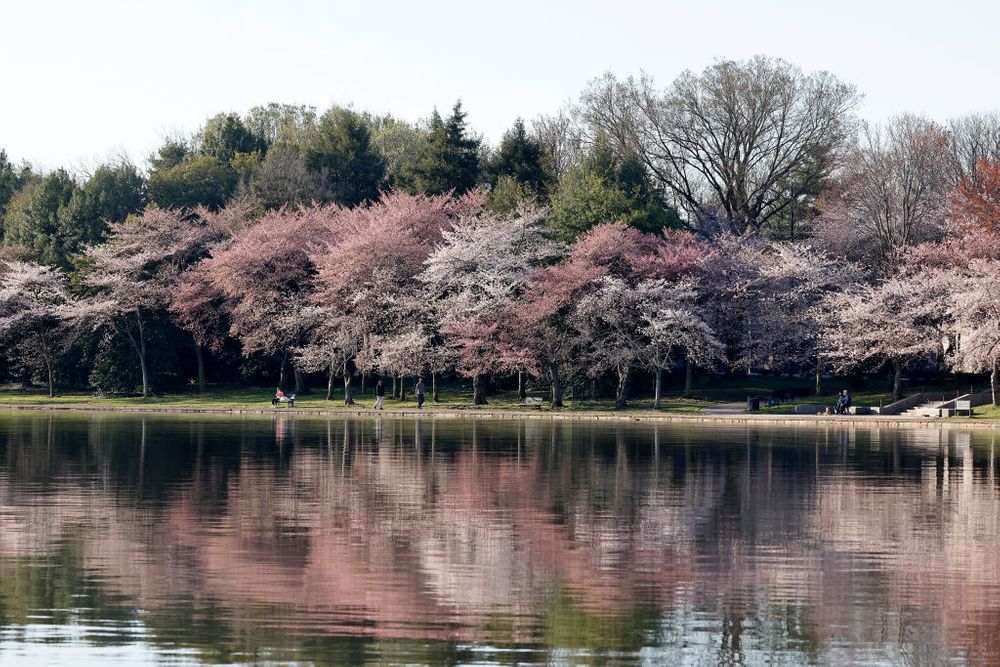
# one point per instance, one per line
(842, 405)
(419, 390)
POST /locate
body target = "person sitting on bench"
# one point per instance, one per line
(843, 403)
(279, 397)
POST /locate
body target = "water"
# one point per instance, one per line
(151, 539)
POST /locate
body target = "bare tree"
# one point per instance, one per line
(561, 141)
(974, 137)
(734, 145)
(892, 193)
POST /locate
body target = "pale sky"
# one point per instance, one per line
(83, 80)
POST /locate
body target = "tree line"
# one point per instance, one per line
(742, 217)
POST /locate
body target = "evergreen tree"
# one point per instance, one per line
(340, 148)
(519, 157)
(12, 179)
(452, 159)
(33, 216)
(403, 147)
(608, 188)
(224, 136)
(111, 193)
(194, 181)
(170, 154)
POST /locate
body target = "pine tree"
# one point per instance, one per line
(519, 157)
(452, 160)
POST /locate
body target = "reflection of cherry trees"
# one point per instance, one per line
(436, 529)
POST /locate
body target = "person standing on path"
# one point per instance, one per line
(420, 393)
(379, 395)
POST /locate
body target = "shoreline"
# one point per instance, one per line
(478, 413)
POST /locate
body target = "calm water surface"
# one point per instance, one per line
(131, 540)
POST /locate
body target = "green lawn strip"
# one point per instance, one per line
(984, 412)
(259, 398)
(456, 397)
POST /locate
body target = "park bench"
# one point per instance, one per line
(533, 402)
(287, 400)
(963, 406)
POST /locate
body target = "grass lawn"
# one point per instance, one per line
(984, 412)
(452, 398)
(708, 391)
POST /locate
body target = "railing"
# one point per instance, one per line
(904, 404)
(982, 398)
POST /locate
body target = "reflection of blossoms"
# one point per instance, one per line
(384, 529)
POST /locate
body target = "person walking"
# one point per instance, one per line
(420, 393)
(379, 395)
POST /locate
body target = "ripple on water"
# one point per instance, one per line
(131, 539)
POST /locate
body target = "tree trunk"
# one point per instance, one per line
(434, 387)
(593, 389)
(478, 393)
(402, 388)
(199, 354)
(329, 384)
(142, 358)
(300, 381)
(281, 370)
(522, 391)
(897, 380)
(395, 388)
(819, 377)
(688, 376)
(362, 384)
(348, 396)
(659, 384)
(993, 383)
(52, 384)
(557, 394)
(621, 396)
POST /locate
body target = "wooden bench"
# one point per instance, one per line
(287, 400)
(963, 406)
(533, 402)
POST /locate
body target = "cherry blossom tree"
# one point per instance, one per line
(647, 324)
(265, 277)
(672, 325)
(783, 321)
(975, 315)
(539, 336)
(598, 307)
(367, 280)
(897, 321)
(727, 273)
(330, 349)
(475, 275)
(196, 305)
(38, 316)
(131, 275)
(640, 260)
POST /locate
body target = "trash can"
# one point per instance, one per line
(753, 403)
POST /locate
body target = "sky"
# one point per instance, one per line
(83, 82)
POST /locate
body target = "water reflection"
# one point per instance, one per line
(191, 539)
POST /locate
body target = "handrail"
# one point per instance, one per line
(904, 404)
